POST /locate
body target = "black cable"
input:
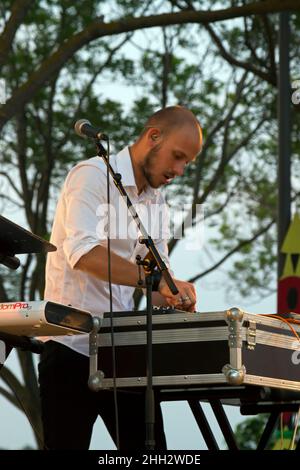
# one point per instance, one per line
(111, 305)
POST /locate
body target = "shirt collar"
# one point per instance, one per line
(125, 168)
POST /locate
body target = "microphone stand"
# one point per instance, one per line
(152, 261)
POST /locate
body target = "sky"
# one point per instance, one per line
(180, 426)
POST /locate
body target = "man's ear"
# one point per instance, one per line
(153, 137)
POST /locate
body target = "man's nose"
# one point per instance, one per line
(179, 169)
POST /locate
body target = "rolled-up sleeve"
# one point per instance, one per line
(84, 192)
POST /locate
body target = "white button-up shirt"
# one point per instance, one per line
(80, 224)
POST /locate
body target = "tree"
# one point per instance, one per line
(54, 58)
(248, 433)
(52, 64)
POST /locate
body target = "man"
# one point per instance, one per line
(77, 274)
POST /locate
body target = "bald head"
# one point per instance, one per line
(172, 118)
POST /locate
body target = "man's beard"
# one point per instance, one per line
(149, 164)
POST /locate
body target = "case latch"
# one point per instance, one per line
(251, 335)
(235, 371)
(235, 320)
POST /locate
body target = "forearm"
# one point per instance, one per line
(95, 263)
(124, 272)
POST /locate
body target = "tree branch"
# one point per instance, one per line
(222, 206)
(239, 90)
(11, 183)
(26, 396)
(271, 46)
(21, 151)
(6, 199)
(248, 43)
(239, 63)
(10, 397)
(248, 137)
(202, 158)
(225, 159)
(98, 29)
(14, 384)
(233, 251)
(18, 13)
(24, 275)
(3, 293)
(87, 89)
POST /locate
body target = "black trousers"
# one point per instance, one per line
(70, 408)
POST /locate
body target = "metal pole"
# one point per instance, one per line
(284, 121)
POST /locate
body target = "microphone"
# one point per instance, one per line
(84, 129)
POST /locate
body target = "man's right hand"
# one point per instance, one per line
(184, 300)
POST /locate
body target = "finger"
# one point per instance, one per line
(188, 308)
(192, 308)
(189, 299)
(171, 301)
